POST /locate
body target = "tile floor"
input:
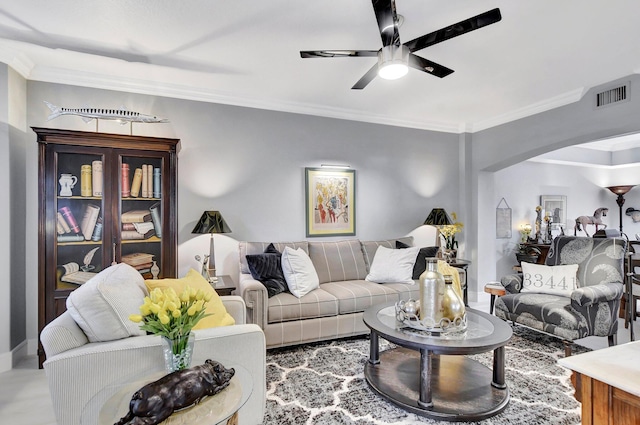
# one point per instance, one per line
(24, 393)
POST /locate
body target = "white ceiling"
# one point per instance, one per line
(543, 54)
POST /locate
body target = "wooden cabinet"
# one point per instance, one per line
(605, 404)
(94, 210)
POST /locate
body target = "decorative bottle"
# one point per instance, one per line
(432, 288)
(452, 303)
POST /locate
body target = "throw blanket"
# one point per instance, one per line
(445, 268)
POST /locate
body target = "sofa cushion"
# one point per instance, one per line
(338, 261)
(285, 307)
(259, 247)
(421, 260)
(102, 305)
(299, 272)
(369, 247)
(554, 280)
(267, 268)
(393, 265)
(357, 295)
(405, 291)
(218, 315)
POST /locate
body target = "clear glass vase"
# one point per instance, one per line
(178, 352)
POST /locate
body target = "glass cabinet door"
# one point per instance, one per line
(79, 211)
(140, 226)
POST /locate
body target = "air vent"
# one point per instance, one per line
(614, 95)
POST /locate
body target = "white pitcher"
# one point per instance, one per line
(67, 182)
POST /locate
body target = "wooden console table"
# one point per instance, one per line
(607, 383)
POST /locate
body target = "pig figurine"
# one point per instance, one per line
(156, 401)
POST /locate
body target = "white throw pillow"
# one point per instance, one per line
(299, 272)
(393, 265)
(102, 305)
(554, 280)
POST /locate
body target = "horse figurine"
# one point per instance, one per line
(583, 220)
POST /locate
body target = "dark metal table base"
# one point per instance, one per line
(461, 388)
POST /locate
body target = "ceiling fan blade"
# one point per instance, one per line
(462, 27)
(387, 18)
(337, 53)
(366, 78)
(428, 66)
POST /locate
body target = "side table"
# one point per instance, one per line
(459, 263)
(224, 285)
(494, 289)
(112, 403)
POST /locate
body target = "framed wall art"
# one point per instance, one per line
(555, 206)
(330, 202)
(503, 220)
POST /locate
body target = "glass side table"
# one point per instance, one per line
(112, 403)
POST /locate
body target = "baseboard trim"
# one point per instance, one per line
(11, 358)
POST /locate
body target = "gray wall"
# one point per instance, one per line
(249, 164)
(523, 184)
(503, 146)
(13, 327)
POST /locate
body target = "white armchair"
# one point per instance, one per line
(78, 370)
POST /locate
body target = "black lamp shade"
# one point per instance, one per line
(211, 222)
(438, 217)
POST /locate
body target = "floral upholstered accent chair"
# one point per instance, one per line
(591, 309)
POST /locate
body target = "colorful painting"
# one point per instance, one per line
(330, 202)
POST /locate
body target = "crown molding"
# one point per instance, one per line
(101, 81)
(536, 108)
(19, 62)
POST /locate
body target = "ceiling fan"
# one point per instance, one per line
(394, 59)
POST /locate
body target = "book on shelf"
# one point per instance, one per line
(96, 178)
(156, 182)
(70, 238)
(126, 188)
(136, 216)
(130, 235)
(71, 219)
(137, 258)
(62, 227)
(145, 180)
(137, 183)
(156, 218)
(97, 231)
(128, 226)
(89, 220)
(71, 273)
(150, 181)
(144, 266)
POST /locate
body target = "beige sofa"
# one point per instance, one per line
(333, 310)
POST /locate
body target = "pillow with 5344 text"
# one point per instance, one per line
(554, 280)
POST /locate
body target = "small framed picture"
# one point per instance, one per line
(555, 206)
(330, 202)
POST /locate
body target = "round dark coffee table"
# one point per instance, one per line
(430, 375)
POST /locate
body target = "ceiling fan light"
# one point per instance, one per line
(392, 62)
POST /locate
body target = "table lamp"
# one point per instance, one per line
(620, 191)
(438, 217)
(211, 222)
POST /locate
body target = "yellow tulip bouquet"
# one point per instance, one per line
(173, 316)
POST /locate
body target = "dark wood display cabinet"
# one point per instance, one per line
(103, 199)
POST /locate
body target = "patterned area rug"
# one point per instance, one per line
(323, 384)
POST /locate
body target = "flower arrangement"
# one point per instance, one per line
(449, 232)
(525, 231)
(173, 316)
